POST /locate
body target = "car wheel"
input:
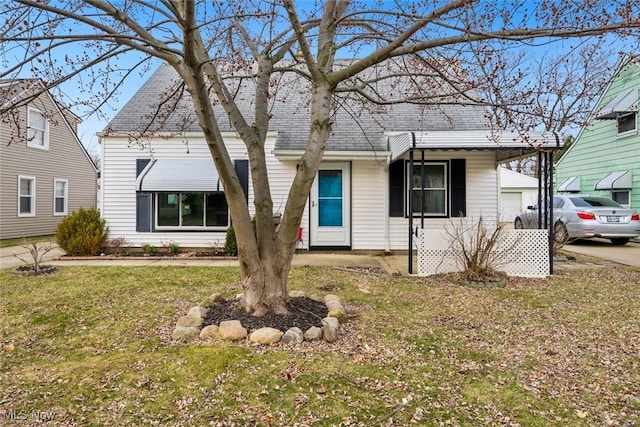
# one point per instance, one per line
(621, 241)
(560, 234)
(518, 224)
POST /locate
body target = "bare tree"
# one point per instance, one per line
(557, 94)
(208, 43)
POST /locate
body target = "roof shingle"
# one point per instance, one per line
(357, 126)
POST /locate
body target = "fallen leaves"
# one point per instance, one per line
(562, 350)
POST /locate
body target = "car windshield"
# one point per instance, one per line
(585, 202)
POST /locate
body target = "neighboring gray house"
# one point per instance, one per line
(45, 172)
(378, 166)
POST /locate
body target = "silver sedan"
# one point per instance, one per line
(579, 216)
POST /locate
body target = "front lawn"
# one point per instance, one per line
(91, 346)
(21, 240)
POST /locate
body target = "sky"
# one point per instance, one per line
(96, 122)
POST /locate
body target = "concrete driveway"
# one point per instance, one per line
(628, 254)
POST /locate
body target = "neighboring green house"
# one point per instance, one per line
(605, 158)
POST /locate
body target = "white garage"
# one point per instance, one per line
(517, 191)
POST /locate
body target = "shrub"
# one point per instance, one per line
(37, 252)
(116, 245)
(230, 244)
(174, 248)
(82, 233)
(477, 248)
(148, 249)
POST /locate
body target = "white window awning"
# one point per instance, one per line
(179, 175)
(615, 181)
(570, 185)
(625, 102)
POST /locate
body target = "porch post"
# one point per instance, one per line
(551, 220)
(410, 210)
(539, 171)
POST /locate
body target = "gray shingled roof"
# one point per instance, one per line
(357, 127)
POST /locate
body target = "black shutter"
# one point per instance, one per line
(143, 212)
(143, 201)
(140, 165)
(242, 170)
(458, 188)
(396, 189)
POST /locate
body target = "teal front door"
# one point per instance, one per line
(330, 206)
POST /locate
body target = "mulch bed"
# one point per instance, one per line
(303, 313)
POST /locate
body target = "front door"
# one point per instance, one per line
(331, 206)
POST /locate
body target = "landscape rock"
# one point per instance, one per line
(298, 293)
(293, 336)
(232, 330)
(315, 297)
(197, 311)
(209, 332)
(266, 336)
(211, 300)
(313, 334)
(330, 329)
(185, 332)
(335, 307)
(190, 321)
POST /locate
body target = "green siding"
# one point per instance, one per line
(598, 151)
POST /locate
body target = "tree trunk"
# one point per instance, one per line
(265, 257)
(265, 289)
(265, 272)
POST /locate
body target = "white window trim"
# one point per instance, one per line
(66, 197)
(33, 197)
(446, 189)
(633, 131)
(626, 205)
(45, 138)
(181, 227)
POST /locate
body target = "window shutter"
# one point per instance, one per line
(140, 165)
(242, 170)
(143, 212)
(458, 188)
(396, 189)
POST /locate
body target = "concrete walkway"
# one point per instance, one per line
(628, 254)
(389, 263)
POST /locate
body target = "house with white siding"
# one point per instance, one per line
(384, 171)
(45, 171)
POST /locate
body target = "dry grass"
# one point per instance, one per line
(91, 346)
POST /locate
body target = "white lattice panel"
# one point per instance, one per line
(525, 253)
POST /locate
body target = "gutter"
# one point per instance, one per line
(332, 155)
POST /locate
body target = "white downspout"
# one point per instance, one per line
(387, 220)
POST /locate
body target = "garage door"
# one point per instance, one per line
(510, 206)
